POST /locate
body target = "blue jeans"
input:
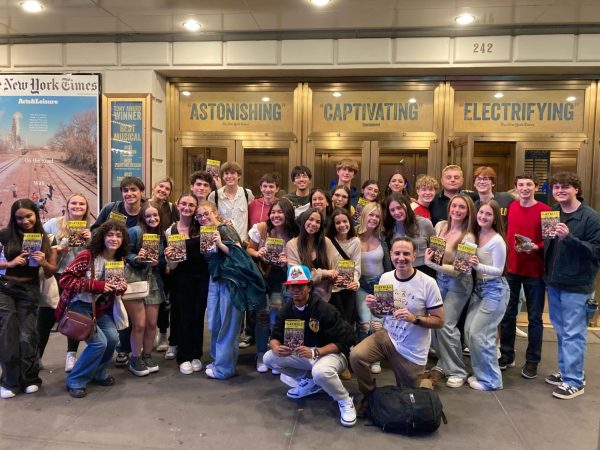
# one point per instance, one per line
(93, 362)
(486, 309)
(224, 323)
(534, 295)
(568, 315)
(364, 314)
(265, 320)
(455, 294)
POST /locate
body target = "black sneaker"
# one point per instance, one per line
(555, 379)
(246, 342)
(529, 370)
(504, 363)
(138, 367)
(122, 359)
(567, 392)
(150, 363)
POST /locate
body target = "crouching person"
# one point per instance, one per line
(405, 338)
(324, 341)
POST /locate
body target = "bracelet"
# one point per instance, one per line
(315, 353)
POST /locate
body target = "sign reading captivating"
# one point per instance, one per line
(126, 141)
(372, 111)
(557, 111)
(49, 145)
(237, 111)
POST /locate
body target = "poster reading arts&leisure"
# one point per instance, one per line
(49, 145)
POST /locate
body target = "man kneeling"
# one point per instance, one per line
(312, 349)
(405, 338)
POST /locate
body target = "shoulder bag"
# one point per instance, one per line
(79, 326)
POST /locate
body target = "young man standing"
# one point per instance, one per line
(405, 337)
(484, 180)
(571, 263)
(314, 365)
(452, 182)
(525, 269)
(346, 170)
(426, 188)
(258, 209)
(232, 199)
(201, 184)
(301, 177)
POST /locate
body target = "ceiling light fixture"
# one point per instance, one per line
(31, 6)
(320, 2)
(412, 100)
(465, 19)
(266, 99)
(191, 25)
(186, 93)
(498, 95)
(337, 94)
(571, 98)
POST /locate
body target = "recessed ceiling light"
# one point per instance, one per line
(337, 94)
(192, 25)
(498, 95)
(571, 98)
(320, 2)
(412, 100)
(266, 99)
(186, 93)
(31, 6)
(465, 19)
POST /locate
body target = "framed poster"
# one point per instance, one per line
(127, 133)
(49, 141)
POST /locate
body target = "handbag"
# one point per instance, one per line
(49, 295)
(137, 290)
(120, 314)
(79, 326)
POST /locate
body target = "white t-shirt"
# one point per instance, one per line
(236, 209)
(420, 293)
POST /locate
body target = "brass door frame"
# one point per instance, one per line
(245, 144)
(341, 144)
(404, 145)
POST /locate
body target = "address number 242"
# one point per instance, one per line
(483, 47)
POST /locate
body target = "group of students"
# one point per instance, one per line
(242, 281)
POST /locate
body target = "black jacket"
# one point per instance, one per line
(323, 325)
(572, 264)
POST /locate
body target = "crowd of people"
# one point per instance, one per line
(320, 258)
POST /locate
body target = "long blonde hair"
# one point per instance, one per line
(63, 223)
(367, 209)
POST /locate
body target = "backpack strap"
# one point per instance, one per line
(339, 248)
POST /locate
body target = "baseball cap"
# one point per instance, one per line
(298, 275)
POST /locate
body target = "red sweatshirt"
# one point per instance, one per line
(258, 211)
(526, 221)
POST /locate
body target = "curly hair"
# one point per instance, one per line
(96, 245)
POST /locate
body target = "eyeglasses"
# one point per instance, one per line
(482, 179)
(204, 215)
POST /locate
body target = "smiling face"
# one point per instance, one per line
(200, 188)
(373, 219)
(425, 195)
(397, 211)
(339, 198)
(458, 209)
(77, 207)
(397, 183)
(485, 217)
(345, 175)
(268, 191)
(313, 223)
(187, 206)
(131, 195)
(113, 240)
(403, 255)
(302, 181)
(231, 178)
(25, 219)
(151, 217)
(162, 190)
(319, 201)
(452, 180)
(483, 184)
(564, 193)
(371, 192)
(207, 216)
(342, 225)
(277, 216)
(525, 188)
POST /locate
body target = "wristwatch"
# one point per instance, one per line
(417, 320)
(315, 353)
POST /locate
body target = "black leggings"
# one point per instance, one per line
(345, 302)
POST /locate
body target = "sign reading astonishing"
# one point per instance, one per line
(126, 142)
(373, 111)
(49, 144)
(529, 111)
(237, 111)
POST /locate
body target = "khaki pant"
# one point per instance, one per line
(377, 347)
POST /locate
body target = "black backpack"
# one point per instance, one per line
(405, 411)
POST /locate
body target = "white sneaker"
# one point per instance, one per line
(261, 367)
(171, 352)
(476, 384)
(376, 367)
(196, 365)
(70, 361)
(347, 412)
(275, 372)
(32, 388)
(210, 372)
(286, 379)
(305, 388)
(210, 366)
(163, 343)
(520, 333)
(6, 393)
(455, 381)
(186, 368)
